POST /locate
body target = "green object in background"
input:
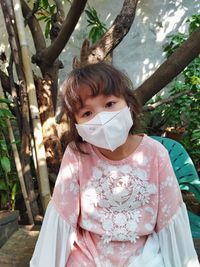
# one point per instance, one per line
(186, 175)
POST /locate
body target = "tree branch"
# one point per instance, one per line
(60, 8)
(32, 12)
(170, 68)
(111, 38)
(57, 20)
(35, 28)
(167, 100)
(50, 54)
(5, 83)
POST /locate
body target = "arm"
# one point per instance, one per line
(58, 229)
(173, 227)
(55, 241)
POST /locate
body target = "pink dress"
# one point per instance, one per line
(117, 213)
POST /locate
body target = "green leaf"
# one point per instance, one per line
(5, 113)
(47, 29)
(89, 22)
(90, 15)
(14, 191)
(3, 145)
(91, 33)
(52, 9)
(45, 3)
(42, 18)
(5, 164)
(3, 186)
(5, 100)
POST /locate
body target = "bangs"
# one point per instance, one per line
(101, 83)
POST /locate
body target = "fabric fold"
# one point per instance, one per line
(176, 243)
(55, 241)
(150, 256)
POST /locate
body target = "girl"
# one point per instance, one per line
(116, 201)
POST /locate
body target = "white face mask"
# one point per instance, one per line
(107, 130)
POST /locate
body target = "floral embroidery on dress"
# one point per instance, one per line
(119, 191)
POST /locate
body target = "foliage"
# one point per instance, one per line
(97, 27)
(45, 11)
(183, 112)
(9, 185)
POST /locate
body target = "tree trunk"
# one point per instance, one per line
(23, 123)
(31, 92)
(49, 127)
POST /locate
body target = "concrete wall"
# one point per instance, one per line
(141, 51)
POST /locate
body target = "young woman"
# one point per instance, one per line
(116, 202)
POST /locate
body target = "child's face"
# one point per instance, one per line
(93, 105)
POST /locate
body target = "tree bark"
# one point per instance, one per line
(113, 36)
(50, 54)
(170, 68)
(34, 26)
(49, 128)
(57, 20)
(23, 124)
(34, 111)
(46, 90)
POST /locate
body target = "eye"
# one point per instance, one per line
(110, 104)
(86, 114)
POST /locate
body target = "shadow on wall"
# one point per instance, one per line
(141, 51)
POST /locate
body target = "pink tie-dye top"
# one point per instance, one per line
(116, 204)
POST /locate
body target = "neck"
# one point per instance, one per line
(124, 150)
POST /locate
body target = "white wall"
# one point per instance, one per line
(141, 51)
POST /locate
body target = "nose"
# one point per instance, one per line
(99, 109)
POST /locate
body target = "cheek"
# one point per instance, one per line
(80, 119)
(77, 119)
(123, 104)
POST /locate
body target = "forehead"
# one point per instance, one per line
(84, 92)
(80, 91)
(86, 98)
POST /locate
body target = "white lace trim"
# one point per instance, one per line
(120, 192)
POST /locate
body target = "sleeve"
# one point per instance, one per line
(176, 242)
(57, 234)
(169, 194)
(66, 191)
(172, 225)
(54, 242)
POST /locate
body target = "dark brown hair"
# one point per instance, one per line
(101, 78)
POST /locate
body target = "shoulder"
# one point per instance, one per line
(153, 144)
(155, 149)
(72, 151)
